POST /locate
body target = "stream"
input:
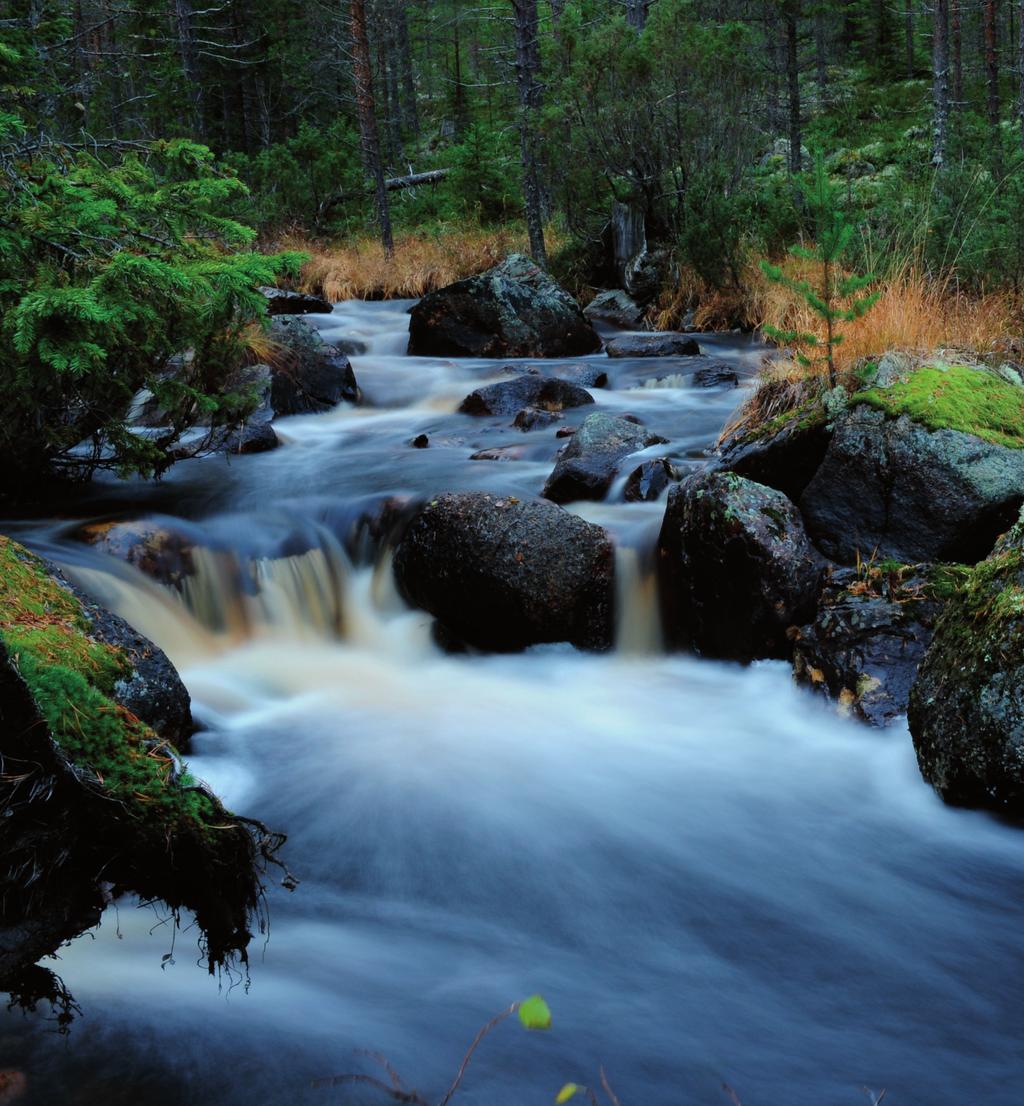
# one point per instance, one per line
(710, 877)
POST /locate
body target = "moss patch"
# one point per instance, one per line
(955, 398)
(807, 416)
(72, 678)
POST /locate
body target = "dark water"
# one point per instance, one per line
(710, 878)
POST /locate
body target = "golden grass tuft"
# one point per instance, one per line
(422, 262)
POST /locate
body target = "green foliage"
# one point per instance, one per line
(118, 274)
(955, 397)
(836, 296)
(484, 178)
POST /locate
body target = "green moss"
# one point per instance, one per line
(72, 678)
(806, 416)
(955, 398)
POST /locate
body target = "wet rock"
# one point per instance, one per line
(154, 548)
(967, 706)
(587, 466)
(893, 488)
(255, 435)
(586, 374)
(513, 310)
(653, 345)
(616, 307)
(718, 374)
(153, 690)
(533, 418)
(565, 431)
(737, 570)
(871, 632)
(510, 396)
(784, 455)
(502, 574)
(647, 481)
(421, 441)
(282, 301)
(311, 376)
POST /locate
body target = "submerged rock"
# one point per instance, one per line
(512, 310)
(509, 396)
(154, 547)
(872, 629)
(737, 570)
(501, 574)
(654, 345)
(967, 706)
(716, 374)
(587, 466)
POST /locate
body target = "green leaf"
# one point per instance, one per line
(534, 1013)
(567, 1092)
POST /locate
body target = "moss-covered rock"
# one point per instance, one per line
(95, 802)
(736, 569)
(873, 626)
(967, 707)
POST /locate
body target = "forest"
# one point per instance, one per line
(502, 500)
(159, 161)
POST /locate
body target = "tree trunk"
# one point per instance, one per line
(940, 81)
(991, 17)
(790, 15)
(636, 13)
(362, 76)
(184, 22)
(821, 53)
(1020, 68)
(527, 26)
(958, 43)
(410, 108)
(908, 24)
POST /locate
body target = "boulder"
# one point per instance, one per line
(647, 481)
(283, 301)
(535, 418)
(513, 310)
(510, 396)
(666, 344)
(311, 377)
(967, 706)
(784, 454)
(501, 574)
(893, 488)
(872, 629)
(736, 568)
(616, 307)
(587, 466)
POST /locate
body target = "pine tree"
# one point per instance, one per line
(837, 296)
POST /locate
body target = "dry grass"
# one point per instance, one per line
(421, 264)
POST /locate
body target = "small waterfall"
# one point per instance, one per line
(637, 618)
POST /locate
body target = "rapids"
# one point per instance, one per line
(710, 877)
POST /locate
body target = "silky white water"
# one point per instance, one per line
(710, 877)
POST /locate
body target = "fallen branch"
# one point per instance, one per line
(392, 184)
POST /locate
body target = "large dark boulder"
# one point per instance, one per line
(310, 377)
(512, 310)
(871, 632)
(736, 568)
(510, 396)
(967, 707)
(666, 344)
(891, 487)
(501, 574)
(587, 466)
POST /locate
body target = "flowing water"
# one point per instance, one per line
(710, 877)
